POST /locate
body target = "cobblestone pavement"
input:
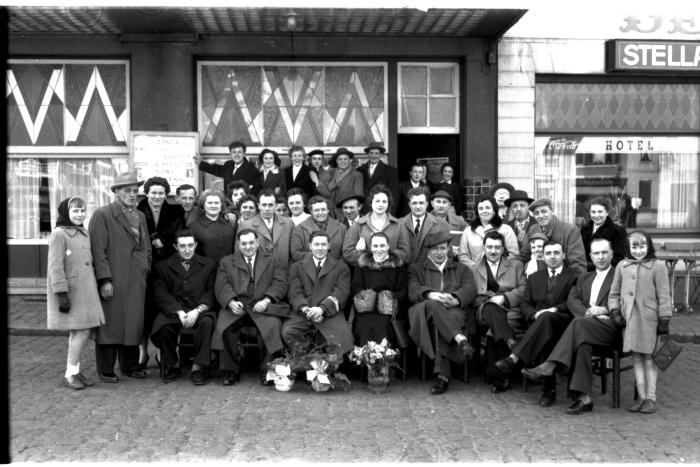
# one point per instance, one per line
(146, 420)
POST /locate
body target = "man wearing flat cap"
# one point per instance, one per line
(501, 192)
(564, 233)
(376, 172)
(441, 292)
(519, 205)
(441, 201)
(350, 204)
(121, 252)
(342, 179)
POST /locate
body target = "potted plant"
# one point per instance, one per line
(379, 359)
(322, 370)
(282, 370)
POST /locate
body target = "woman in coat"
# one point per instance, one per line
(271, 177)
(471, 246)
(72, 300)
(380, 274)
(214, 235)
(343, 179)
(379, 219)
(602, 226)
(451, 186)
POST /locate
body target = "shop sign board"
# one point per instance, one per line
(164, 154)
(650, 55)
(434, 165)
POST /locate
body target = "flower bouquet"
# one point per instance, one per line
(323, 371)
(379, 359)
(282, 370)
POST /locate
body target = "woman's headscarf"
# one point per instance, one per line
(651, 251)
(63, 213)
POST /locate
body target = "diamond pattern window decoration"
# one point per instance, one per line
(280, 104)
(617, 107)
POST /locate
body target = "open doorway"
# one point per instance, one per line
(412, 147)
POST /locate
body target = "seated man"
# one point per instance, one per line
(536, 262)
(441, 201)
(319, 220)
(249, 283)
(545, 310)
(441, 291)
(588, 301)
(319, 286)
(183, 289)
(500, 287)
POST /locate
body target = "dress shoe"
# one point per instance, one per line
(500, 386)
(109, 378)
(439, 386)
(264, 381)
(466, 349)
(88, 383)
(547, 398)
(170, 374)
(199, 378)
(535, 374)
(649, 406)
(73, 382)
(577, 407)
(136, 374)
(231, 378)
(506, 365)
(638, 406)
(144, 365)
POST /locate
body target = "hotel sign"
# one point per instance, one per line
(646, 55)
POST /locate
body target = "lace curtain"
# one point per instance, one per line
(678, 191)
(23, 182)
(555, 178)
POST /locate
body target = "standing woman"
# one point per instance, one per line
(343, 179)
(270, 175)
(162, 221)
(72, 300)
(298, 175)
(602, 226)
(640, 302)
(451, 186)
(471, 246)
(357, 238)
(213, 233)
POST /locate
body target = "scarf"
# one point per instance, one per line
(64, 216)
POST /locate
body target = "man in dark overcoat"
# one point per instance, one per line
(238, 168)
(441, 291)
(183, 290)
(376, 172)
(249, 285)
(121, 252)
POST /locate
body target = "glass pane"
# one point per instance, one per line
(414, 80)
(441, 81)
(442, 111)
(413, 112)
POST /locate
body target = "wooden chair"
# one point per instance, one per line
(601, 357)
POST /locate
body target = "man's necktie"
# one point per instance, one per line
(416, 230)
(250, 267)
(552, 278)
(318, 268)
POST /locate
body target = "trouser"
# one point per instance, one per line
(106, 356)
(230, 357)
(166, 339)
(298, 331)
(444, 326)
(496, 318)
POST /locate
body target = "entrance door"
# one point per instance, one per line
(416, 146)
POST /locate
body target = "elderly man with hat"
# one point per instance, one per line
(441, 201)
(350, 204)
(342, 179)
(519, 205)
(564, 233)
(441, 292)
(376, 172)
(121, 252)
(501, 192)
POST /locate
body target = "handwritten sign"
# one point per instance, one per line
(167, 155)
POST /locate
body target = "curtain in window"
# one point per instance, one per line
(678, 191)
(555, 178)
(23, 181)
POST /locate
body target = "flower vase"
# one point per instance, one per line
(378, 379)
(284, 384)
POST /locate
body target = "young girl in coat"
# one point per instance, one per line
(73, 303)
(641, 303)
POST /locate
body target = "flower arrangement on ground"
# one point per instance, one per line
(282, 370)
(323, 371)
(379, 359)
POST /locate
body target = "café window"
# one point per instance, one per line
(428, 98)
(68, 124)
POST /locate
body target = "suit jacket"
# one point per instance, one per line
(301, 234)
(281, 233)
(404, 188)
(305, 289)
(537, 297)
(520, 234)
(176, 288)
(302, 181)
(567, 235)
(511, 281)
(275, 182)
(385, 175)
(580, 295)
(246, 172)
(616, 234)
(455, 190)
(172, 219)
(232, 279)
(431, 224)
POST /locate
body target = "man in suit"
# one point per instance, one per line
(319, 286)
(588, 301)
(441, 292)
(319, 220)
(500, 288)
(186, 196)
(351, 204)
(519, 203)
(545, 309)
(415, 181)
(238, 168)
(298, 175)
(249, 285)
(183, 290)
(376, 172)
(274, 231)
(420, 224)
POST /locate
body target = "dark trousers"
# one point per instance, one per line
(300, 331)
(496, 318)
(106, 356)
(445, 325)
(574, 350)
(166, 340)
(541, 337)
(230, 357)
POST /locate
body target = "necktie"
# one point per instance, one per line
(250, 267)
(552, 278)
(185, 264)
(416, 230)
(318, 268)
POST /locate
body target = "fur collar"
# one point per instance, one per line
(366, 260)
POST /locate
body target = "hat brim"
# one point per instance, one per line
(381, 149)
(510, 200)
(115, 187)
(360, 199)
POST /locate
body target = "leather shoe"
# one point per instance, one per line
(649, 406)
(439, 386)
(136, 374)
(199, 378)
(577, 407)
(109, 378)
(638, 406)
(506, 365)
(170, 374)
(534, 374)
(231, 378)
(264, 381)
(547, 398)
(500, 386)
(466, 349)
(83, 379)
(73, 382)
(144, 365)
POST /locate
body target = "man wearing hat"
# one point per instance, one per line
(121, 252)
(420, 224)
(350, 204)
(238, 168)
(441, 201)
(342, 179)
(501, 192)
(415, 181)
(320, 170)
(519, 203)
(564, 233)
(441, 292)
(376, 172)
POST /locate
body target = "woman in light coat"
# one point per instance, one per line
(72, 300)
(471, 246)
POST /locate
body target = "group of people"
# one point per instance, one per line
(337, 269)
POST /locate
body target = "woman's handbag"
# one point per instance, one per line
(665, 352)
(386, 303)
(364, 301)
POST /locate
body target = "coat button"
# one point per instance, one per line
(87, 263)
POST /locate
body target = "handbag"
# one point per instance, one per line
(665, 352)
(386, 303)
(364, 301)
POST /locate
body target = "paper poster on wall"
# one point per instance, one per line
(434, 165)
(164, 154)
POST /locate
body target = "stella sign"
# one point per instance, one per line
(643, 55)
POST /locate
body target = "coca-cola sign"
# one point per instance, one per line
(562, 144)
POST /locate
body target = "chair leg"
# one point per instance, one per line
(422, 358)
(465, 375)
(404, 365)
(616, 379)
(603, 375)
